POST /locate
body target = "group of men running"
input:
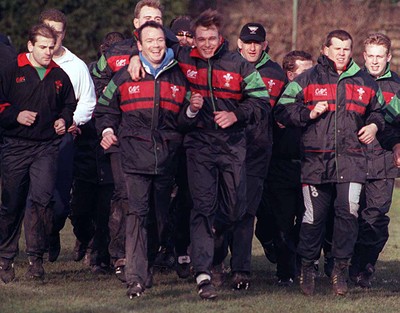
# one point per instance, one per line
(172, 142)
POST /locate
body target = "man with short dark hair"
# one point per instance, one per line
(338, 107)
(216, 144)
(142, 117)
(37, 102)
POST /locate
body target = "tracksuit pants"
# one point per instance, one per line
(145, 192)
(317, 200)
(373, 222)
(27, 166)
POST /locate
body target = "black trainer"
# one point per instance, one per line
(35, 269)
(7, 273)
(307, 277)
(119, 269)
(240, 281)
(285, 282)
(363, 279)
(134, 290)
(339, 273)
(183, 266)
(207, 290)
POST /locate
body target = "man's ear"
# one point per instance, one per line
(139, 45)
(30, 46)
(135, 22)
(240, 44)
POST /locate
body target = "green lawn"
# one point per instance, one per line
(70, 287)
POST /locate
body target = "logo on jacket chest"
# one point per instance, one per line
(321, 92)
(361, 92)
(20, 79)
(133, 89)
(271, 84)
(228, 77)
(191, 74)
(174, 90)
(120, 63)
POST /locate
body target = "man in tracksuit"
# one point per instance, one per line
(37, 102)
(252, 44)
(112, 60)
(338, 107)
(142, 118)
(378, 189)
(234, 96)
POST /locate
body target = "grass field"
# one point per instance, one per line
(71, 287)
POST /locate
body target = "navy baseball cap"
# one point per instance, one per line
(253, 32)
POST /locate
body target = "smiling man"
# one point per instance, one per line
(234, 97)
(378, 188)
(338, 107)
(37, 104)
(141, 117)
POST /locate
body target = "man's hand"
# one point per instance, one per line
(59, 126)
(108, 140)
(367, 133)
(26, 117)
(196, 102)
(136, 69)
(396, 155)
(224, 119)
(320, 107)
(72, 128)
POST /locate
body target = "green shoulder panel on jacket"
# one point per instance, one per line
(255, 86)
(108, 94)
(392, 110)
(100, 66)
(290, 93)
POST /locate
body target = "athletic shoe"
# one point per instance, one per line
(183, 266)
(285, 282)
(119, 269)
(218, 275)
(165, 260)
(207, 290)
(7, 273)
(339, 282)
(240, 281)
(363, 279)
(307, 278)
(134, 290)
(35, 269)
(54, 247)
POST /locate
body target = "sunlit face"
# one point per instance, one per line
(251, 51)
(148, 14)
(41, 52)
(339, 52)
(376, 57)
(301, 66)
(207, 40)
(60, 31)
(153, 45)
(185, 38)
